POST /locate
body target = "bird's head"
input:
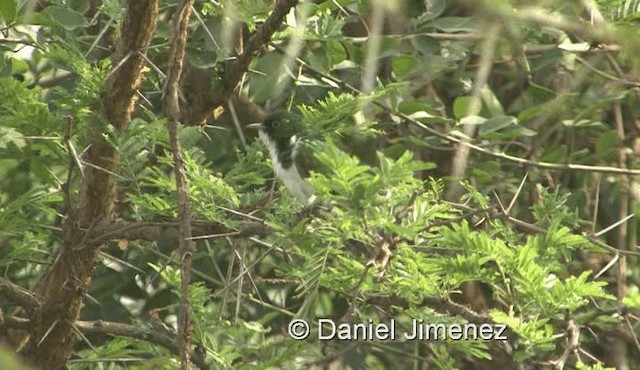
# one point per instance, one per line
(281, 126)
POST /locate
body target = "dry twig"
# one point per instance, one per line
(172, 110)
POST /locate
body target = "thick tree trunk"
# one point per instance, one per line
(52, 333)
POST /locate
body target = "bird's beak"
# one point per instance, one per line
(254, 126)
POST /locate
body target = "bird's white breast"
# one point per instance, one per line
(289, 176)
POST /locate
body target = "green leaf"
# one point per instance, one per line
(35, 18)
(454, 24)
(497, 124)
(324, 27)
(426, 46)
(80, 6)
(554, 155)
(632, 300)
(336, 52)
(435, 8)
(67, 18)
(19, 66)
(335, 114)
(409, 107)
(404, 65)
(8, 10)
(10, 135)
(486, 171)
(473, 120)
(597, 366)
(202, 59)
(401, 170)
(606, 143)
(465, 106)
(269, 79)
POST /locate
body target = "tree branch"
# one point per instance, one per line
(447, 306)
(172, 109)
(18, 295)
(169, 231)
(64, 286)
(147, 333)
(236, 69)
(240, 65)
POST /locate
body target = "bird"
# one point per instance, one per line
(282, 133)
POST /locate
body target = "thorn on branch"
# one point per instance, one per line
(18, 295)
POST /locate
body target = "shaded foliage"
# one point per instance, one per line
(517, 246)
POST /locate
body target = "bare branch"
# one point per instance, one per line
(64, 286)
(455, 309)
(18, 295)
(573, 343)
(148, 333)
(237, 68)
(172, 109)
(169, 231)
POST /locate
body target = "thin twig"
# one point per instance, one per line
(573, 343)
(614, 225)
(239, 66)
(517, 160)
(172, 109)
(460, 160)
(517, 194)
(619, 346)
(605, 74)
(155, 334)
(532, 228)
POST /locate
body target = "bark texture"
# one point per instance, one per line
(52, 333)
